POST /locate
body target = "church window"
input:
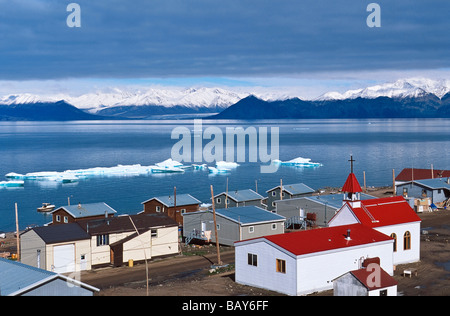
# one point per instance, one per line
(407, 241)
(394, 236)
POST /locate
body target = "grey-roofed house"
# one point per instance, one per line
(19, 279)
(72, 213)
(290, 191)
(322, 206)
(438, 190)
(173, 206)
(238, 198)
(233, 224)
(57, 248)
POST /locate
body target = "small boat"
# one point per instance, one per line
(46, 207)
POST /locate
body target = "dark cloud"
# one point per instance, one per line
(170, 38)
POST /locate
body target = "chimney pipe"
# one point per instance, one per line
(348, 234)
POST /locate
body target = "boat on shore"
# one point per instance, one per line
(46, 207)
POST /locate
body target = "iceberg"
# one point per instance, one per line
(200, 167)
(214, 170)
(70, 176)
(298, 162)
(11, 184)
(226, 165)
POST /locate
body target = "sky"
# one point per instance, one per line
(310, 46)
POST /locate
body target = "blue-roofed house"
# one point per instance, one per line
(233, 224)
(72, 213)
(322, 206)
(18, 279)
(238, 198)
(438, 189)
(173, 206)
(288, 191)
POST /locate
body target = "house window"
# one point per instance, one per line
(394, 236)
(218, 200)
(274, 226)
(282, 194)
(251, 229)
(218, 226)
(407, 241)
(252, 259)
(58, 218)
(383, 293)
(281, 266)
(274, 193)
(158, 209)
(102, 240)
(66, 219)
(154, 233)
(183, 211)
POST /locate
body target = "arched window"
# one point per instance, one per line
(394, 236)
(407, 241)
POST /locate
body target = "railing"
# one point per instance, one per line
(295, 220)
(195, 234)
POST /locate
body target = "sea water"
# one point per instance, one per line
(378, 147)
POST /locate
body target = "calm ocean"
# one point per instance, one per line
(378, 146)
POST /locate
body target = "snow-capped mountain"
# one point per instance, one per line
(403, 88)
(166, 97)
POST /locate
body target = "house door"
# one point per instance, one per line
(117, 255)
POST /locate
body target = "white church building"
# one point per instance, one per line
(392, 216)
(308, 261)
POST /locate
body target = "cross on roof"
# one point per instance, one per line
(351, 162)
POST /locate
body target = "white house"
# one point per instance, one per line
(392, 216)
(308, 261)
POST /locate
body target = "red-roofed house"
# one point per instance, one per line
(392, 216)
(368, 281)
(304, 262)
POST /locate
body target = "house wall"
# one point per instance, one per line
(229, 231)
(291, 207)
(316, 272)
(402, 256)
(304, 274)
(30, 246)
(391, 291)
(82, 247)
(348, 285)
(219, 202)
(70, 219)
(165, 243)
(264, 275)
(173, 212)
(417, 191)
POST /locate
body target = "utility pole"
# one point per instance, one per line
(394, 190)
(17, 234)
(281, 189)
(365, 188)
(219, 262)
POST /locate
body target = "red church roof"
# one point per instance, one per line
(385, 211)
(352, 184)
(325, 239)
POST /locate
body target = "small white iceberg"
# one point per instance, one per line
(214, 170)
(298, 162)
(226, 165)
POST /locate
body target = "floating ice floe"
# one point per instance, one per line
(11, 184)
(69, 176)
(200, 167)
(215, 170)
(298, 162)
(226, 165)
